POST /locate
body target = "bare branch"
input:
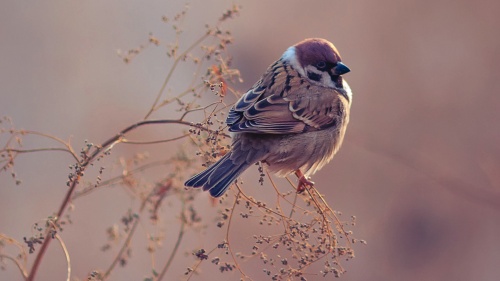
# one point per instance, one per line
(66, 254)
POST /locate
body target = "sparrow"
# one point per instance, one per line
(293, 119)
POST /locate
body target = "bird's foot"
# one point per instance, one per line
(304, 182)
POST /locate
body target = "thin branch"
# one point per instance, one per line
(23, 254)
(18, 265)
(177, 243)
(116, 179)
(251, 200)
(129, 236)
(227, 234)
(155, 142)
(337, 220)
(198, 264)
(192, 88)
(45, 245)
(152, 122)
(285, 221)
(171, 72)
(198, 109)
(41, 149)
(66, 254)
(125, 246)
(293, 204)
(61, 141)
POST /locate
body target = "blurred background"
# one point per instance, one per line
(420, 163)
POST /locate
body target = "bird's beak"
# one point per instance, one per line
(340, 69)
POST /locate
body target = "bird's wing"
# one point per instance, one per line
(283, 102)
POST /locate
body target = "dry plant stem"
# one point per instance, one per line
(66, 254)
(107, 144)
(201, 108)
(313, 193)
(329, 210)
(122, 250)
(25, 132)
(155, 142)
(293, 204)
(284, 218)
(68, 149)
(67, 144)
(117, 179)
(15, 133)
(251, 200)
(332, 215)
(17, 244)
(326, 212)
(23, 254)
(325, 220)
(236, 198)
(39, 150)
(177, 243)
(169, 75)
(198, 264)
(16, 262)
(286, 222)
(192, 88)
(278, 195)
(47, 239)
(130, 234)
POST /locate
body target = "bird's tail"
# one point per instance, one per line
(218, 177)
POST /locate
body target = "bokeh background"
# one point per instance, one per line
(419, 167)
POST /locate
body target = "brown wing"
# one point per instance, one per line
(283, 102)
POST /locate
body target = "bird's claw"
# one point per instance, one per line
(304, 182)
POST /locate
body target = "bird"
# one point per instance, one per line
(293, 119)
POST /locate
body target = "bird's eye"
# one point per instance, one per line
(321, 65)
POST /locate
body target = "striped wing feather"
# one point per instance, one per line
(283, 102)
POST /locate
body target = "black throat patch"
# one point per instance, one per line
(314, 76)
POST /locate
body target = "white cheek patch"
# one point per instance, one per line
(324, 78)
(327, 80)
(290, 56)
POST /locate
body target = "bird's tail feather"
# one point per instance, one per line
(218, 177)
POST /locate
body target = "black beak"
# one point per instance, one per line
(340, 69)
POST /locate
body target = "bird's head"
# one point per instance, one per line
(319, 61)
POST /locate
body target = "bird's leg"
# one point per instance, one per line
(303, 181)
